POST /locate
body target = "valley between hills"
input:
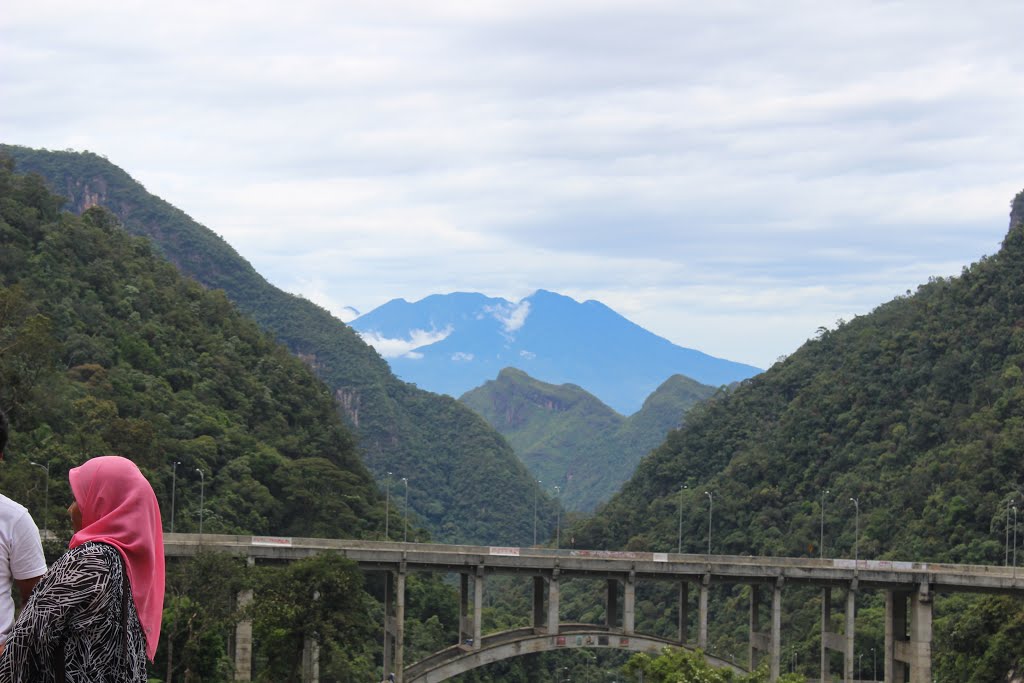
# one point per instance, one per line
(129, 327)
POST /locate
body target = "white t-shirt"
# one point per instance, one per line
(21, 556)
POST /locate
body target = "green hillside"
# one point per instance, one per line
(570, 439)
(916, 410)
(106, 348)
(464, 480)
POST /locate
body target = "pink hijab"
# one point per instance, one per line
(119, 508)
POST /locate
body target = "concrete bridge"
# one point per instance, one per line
(909, 588)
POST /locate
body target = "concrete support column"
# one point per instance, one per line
(387, 664)
(702, 614)
(826, 620)
(553, 603)
(753, 621)
(851, 623)
(538, 602)
(684, 611)
(839, 642)
(895, 636)
(464, 625)
(400, 625)
(478, 606)
(611, 612)
(921, 635)
(776, 665)
(629, 605)
(243, 640)
(310, 660)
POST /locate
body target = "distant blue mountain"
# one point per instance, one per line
(451, 343)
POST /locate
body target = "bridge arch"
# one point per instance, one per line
(495, 647)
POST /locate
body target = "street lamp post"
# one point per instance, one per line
(405, 523)
(711, 507)
(1006, 546)
(535, 491)
(860, 668)
(856, 531)
(202, 498)
(821, 542)
(46, 495)
(387, 507)
(558, 518)
(174, 487)
(679, 546)
(1015, 541)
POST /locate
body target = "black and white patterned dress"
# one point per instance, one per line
(78, 604)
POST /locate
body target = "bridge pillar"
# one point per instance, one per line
(553, 602)
(851, 630)
(835, 641)
(464, 626)
(611, 613)
(913, 651)
(387, 662)
(770, 643)
(757, 640)
(629, 605)
(702, 614)
(921, 635)
(826, 620)
(776, 665)
(538, 602)
(684, 611)
(478, 606)
(243, 640)
(400, 624)
(310, 660)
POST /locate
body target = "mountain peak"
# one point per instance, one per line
(451, 343)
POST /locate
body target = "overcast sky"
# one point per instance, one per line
(730, 175)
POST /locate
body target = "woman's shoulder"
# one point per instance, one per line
(92, 556)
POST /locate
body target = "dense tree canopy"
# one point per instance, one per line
(465, 482)
(916, 411)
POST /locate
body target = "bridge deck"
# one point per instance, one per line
(381, 555)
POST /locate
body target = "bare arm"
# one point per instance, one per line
(25, 587)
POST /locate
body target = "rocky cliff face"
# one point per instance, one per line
(1017, 209)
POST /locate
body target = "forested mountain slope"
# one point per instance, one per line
(105, 347)
(916, 410)
(464, 479)
(569, 438)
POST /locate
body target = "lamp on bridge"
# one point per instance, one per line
(174, 487)
(821, 542)
(405, 532)
(535, 491)
(679, 546)
(1015, 540)
(202, 498)
(856, 530)
(558, 518)
(387, 506)
(711, 507)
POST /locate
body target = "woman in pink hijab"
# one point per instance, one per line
(96, 614)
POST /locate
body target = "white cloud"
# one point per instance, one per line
(710, 170)
(395, 348)
(462, 357)
(527, 355)
(512, 317)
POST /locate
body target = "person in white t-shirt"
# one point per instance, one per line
(21, 553)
